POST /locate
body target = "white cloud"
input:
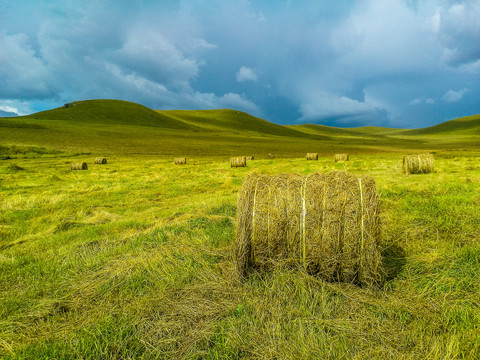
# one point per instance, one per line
(454, 96)
(385, 36)
(197, 45)
(165, 98)
(458, 31)
(471, 68)
(15, 107)
(151, 55)
(23, 73)
(10, 109)
(323, 105)
(423, 100)
(435, 21)
(246, 74)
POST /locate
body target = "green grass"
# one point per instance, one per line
(467, 125)
(110, 112)
(131, 260)
(107, 127)
(226, 120)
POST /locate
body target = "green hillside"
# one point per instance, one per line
(230, 120)
(324, 130)
(122, 127)
(371, 131)
(110, 112)
(466, 125)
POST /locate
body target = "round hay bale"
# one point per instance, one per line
(312, 156)
(79, 166)
(271, 156)
(418, 164)
(239, 161)
(100, 160)
(250, 158)
(326, 223)
(180, 161)
(341, 157)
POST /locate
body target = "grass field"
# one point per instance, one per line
(131, 259)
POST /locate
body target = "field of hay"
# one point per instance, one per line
(131, 259)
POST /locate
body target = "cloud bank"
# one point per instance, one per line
(399, 63)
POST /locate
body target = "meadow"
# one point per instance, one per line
(131, 260)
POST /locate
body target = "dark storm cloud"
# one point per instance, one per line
(396, 63)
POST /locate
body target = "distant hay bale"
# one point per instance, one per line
(312, 156)
(250, 158)
(180, 161)
(341, 157)
(79, 166)
(239, 161)
(326, 223)
(100, 160)
(418, 164)
(271, 156)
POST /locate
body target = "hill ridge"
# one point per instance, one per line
(107, 111)
(110, 111)
(117, 126)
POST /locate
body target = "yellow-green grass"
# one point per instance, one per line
(131, 260)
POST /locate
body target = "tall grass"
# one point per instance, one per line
(131, 260)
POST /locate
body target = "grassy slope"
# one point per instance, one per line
(466, 125)
(120, 127)
(225, 120)
(111, 112)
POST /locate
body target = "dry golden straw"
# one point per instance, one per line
(312, 156)
(418, 164)
(180, 161)
(326, 223)
(79, 166)
(239, 161)
(341, 157)
(100, 160)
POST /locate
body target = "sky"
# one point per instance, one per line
(395, 63)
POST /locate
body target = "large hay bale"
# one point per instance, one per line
(327, 223)
(79, 166)
(180, 161)
(250, 158)
(341, 157)
(100, 160)
(312, 156)
(239, 161)
(418, 164)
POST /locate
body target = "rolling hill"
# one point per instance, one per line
(122, 127)
(231, 120)
(110, 112)
(469, 125)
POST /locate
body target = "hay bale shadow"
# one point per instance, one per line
(393, 261)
